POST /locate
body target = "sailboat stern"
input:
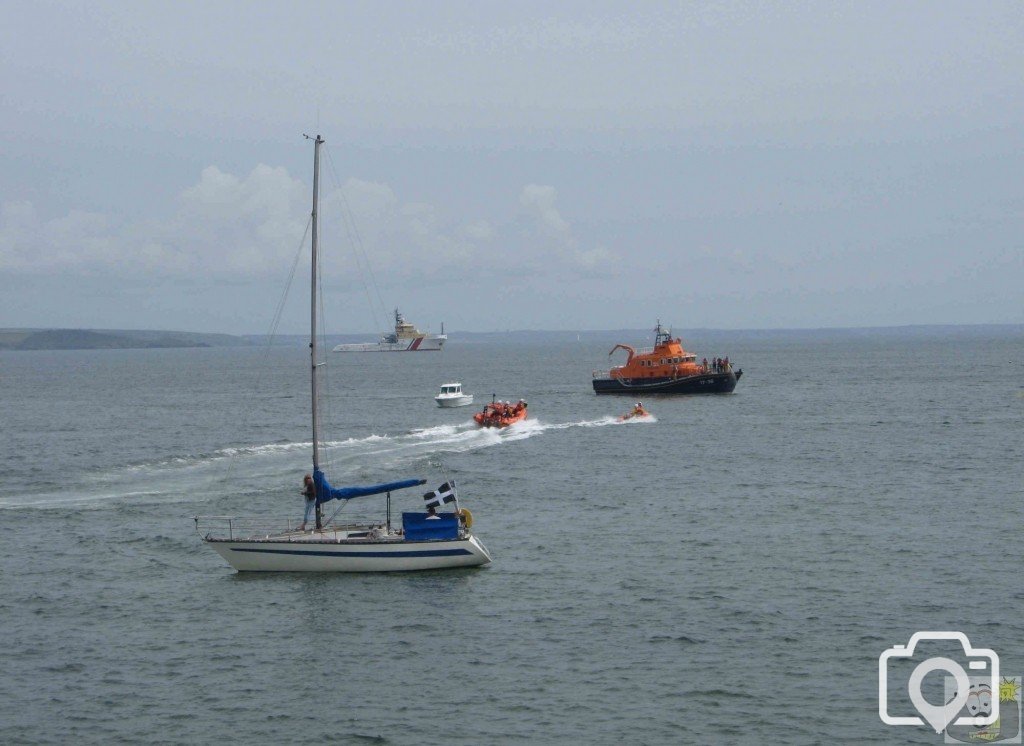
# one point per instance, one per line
(480, 552)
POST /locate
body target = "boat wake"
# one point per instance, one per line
(186, 478)
(394, 451)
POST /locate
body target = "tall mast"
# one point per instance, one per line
(312, 313)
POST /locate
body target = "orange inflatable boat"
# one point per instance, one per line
(501, 414)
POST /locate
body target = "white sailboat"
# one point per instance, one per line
(424, 541)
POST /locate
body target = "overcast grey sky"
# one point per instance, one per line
(573, 165)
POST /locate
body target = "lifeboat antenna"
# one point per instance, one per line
(661, 335)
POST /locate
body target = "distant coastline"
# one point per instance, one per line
(640, 336)
(120, 339)
(107, 339)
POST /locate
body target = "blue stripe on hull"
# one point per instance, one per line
(424, 553)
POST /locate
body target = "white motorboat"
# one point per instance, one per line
(424, 541)
(451, 395)
(405, 338)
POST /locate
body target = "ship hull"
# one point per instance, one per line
(329, 556)
(428, 343)
(498, 421)
(704, 383)
(454, 401)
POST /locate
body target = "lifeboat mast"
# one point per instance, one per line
(661, 335)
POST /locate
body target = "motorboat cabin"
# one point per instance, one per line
(451, 395)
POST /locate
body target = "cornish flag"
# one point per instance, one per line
(443, 494)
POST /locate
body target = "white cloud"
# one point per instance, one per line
(79, 239)
(478, 230)
(369, 201)
(405, 241)
(540, 201)
(223, 224)
(18, 224)
(243, 226)
(562, 248)
(226, 225)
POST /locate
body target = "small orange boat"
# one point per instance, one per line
(638, 413)
(501, 413)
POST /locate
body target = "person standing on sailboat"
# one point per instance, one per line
(308, 492)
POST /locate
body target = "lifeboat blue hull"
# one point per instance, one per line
(705, 383)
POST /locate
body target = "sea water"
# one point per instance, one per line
(728, 572)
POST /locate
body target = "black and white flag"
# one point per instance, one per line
(443, 494)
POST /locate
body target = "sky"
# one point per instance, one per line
(528, 165)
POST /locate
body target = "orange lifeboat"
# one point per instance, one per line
(666, 368)
(501, 414)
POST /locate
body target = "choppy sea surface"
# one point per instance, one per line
(728, 573)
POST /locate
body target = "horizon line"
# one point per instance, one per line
(564, 330)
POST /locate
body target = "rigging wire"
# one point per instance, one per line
(325, 399)
(358, 250)
(325, 402)
(271, 335)
(326, 410)
(279, 311)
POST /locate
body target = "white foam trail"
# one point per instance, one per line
(441, 430)
(183, 478)
(648, 420)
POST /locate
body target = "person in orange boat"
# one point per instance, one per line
(637, 411)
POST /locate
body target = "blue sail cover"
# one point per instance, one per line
(325, 493)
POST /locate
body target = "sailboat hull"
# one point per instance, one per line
(334, 556)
